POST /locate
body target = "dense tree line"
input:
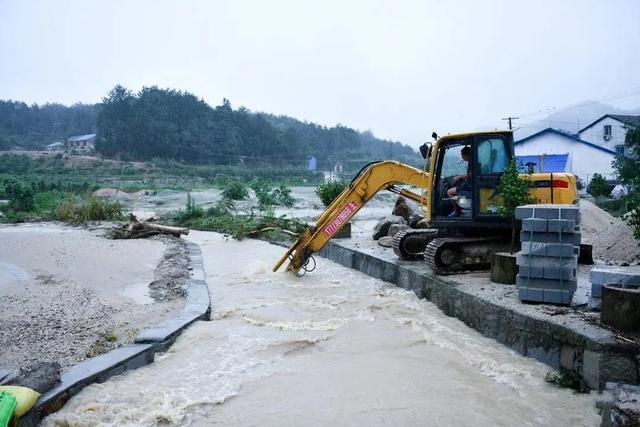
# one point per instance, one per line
(32, 127)
(172, 125)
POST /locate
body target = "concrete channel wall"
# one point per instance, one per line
(141, 353)
(589, 351)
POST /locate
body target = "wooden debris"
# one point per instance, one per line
(135, 229)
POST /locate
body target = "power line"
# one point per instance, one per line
(633, 91)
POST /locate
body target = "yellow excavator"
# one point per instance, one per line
(462, 226)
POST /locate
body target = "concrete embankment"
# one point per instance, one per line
(556, 336)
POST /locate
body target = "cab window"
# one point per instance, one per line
(492, 156)
(453, 164)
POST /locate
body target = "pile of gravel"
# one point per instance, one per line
(611, 237)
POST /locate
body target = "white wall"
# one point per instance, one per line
(595, 134)
(583, 160)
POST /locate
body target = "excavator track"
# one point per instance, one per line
(410, 244)
(451, 255)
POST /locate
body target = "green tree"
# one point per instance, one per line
(598, 186)
(515, 190)
(628, 170)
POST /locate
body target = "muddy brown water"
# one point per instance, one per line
(335, 347)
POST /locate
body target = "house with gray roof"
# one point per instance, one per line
(82, 142)
(609, 131)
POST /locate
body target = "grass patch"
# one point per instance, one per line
(91, 209)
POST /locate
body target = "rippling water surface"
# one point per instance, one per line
(332, 348)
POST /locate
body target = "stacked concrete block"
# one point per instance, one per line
(548, 260)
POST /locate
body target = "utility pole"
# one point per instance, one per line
(509, 119)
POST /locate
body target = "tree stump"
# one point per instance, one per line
(621, 308)
(586, 254)
(504, 268)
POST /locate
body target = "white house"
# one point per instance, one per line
(609, 131)
(82, 142)
(580, 157)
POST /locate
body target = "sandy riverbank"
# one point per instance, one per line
(68, 293)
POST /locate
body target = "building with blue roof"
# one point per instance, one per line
(551, 150)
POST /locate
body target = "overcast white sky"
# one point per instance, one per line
(400, 68)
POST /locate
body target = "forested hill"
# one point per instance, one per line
(33, 127)
(167, 124)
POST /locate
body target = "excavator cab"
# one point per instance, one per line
(465, 187)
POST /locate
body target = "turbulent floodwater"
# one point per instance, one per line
(332, 348)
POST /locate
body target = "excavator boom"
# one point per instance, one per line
(374, 178)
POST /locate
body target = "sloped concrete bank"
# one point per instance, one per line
(150, 341)
(558, 340)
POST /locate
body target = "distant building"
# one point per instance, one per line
(56, 146)
(609, 131)
(82, 142)
(553, 151)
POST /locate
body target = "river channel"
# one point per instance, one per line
(335, 347)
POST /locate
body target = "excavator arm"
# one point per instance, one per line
(372, 179)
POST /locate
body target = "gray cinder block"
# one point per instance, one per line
(560, 273)
(556, 250)
(562, 250)
(530, 271)
(546, 296)
(548, 211)
(534, 224)
(536, 283)
(572, 238)
(547, 273)
(533, 248)
(606, 276)
(549, 225)
(541, 261)
(560, 225)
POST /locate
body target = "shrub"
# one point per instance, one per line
(259, 185)
(329, 191)
(21, 195)
(633, 217)
(282, 196)
(599, 186)
(91, 209)
(235, 190)
(191, 210)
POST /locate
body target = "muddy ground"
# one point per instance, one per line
(67, 293)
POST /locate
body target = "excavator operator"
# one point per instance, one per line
(462, 183)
